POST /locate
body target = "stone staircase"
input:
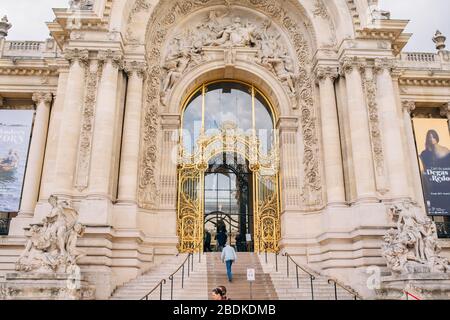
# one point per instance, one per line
(195, 285)
(209, 272)
(286, 286)
(239, 289)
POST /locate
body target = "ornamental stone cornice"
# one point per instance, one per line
(135, 67)
(408, 106)
(28, 71)
(326, 72)
(348, 64)
(425, 81)
(42, 97)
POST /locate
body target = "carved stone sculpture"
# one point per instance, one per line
(412, 247)
(52, 244)
(81, 4)
(221, 29)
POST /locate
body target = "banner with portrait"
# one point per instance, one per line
(15, 132)
(433, 148)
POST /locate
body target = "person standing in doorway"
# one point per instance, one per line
(221, 240)
(207, 243)
(229, 257)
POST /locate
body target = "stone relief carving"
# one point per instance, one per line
(161, 64)
(139, 6)
(412, 247)
(51, 246)
(81, 4)
(92, 78)
(321, 11)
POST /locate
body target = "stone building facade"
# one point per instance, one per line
(110, 87)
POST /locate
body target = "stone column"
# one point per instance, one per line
(395, 157)
(334, 175)
(71, 122)
(408, 108)
(36, 154)
(289, 163)
(129, 160)
(359, 129)
(104, 125)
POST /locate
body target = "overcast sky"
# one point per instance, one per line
(28, 17)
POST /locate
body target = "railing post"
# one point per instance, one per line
(160, 290)
(182, 278)
(265, 253)
(171, 287)
(276, 262)
(335, 291)
(287, 264)
(312, 288)
(296, 272)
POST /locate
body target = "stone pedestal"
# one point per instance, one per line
(425, 286)
(43, 286)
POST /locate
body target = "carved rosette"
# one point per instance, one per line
(163, 19)
(92, 78)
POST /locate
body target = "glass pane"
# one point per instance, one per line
(192, 122)
(264, 123)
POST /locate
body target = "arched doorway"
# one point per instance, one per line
(228, 168)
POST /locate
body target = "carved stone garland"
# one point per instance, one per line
(162, 22)
(92, 77)
(370, 87)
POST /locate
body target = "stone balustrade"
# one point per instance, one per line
(419, 60)
(30, 49)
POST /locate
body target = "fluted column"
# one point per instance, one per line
(71, 121)
(408, 108)
(129, 161)
(387, 102)
(36, 154)
(330, 134)
(104, 125)
(359, 129)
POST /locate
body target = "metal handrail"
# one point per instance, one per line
(297, 266)
(182, 267)
(160, 285)
(336, 283)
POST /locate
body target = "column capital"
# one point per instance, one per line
(445, 110)
(170, 121)
(348, 64)
(42, 97)
(82, 56)
(408, 106)
(382, 64)
(135, 67)
(115, 57)
(286, 124)
(326, 72)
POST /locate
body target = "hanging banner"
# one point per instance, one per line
(433, 148)
(15, 132)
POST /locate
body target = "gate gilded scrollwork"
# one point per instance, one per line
(191, 175)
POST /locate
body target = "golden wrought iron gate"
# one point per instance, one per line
(264, 165)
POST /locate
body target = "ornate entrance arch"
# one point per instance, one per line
(228, 136)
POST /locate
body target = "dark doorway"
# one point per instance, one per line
(228, 202)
